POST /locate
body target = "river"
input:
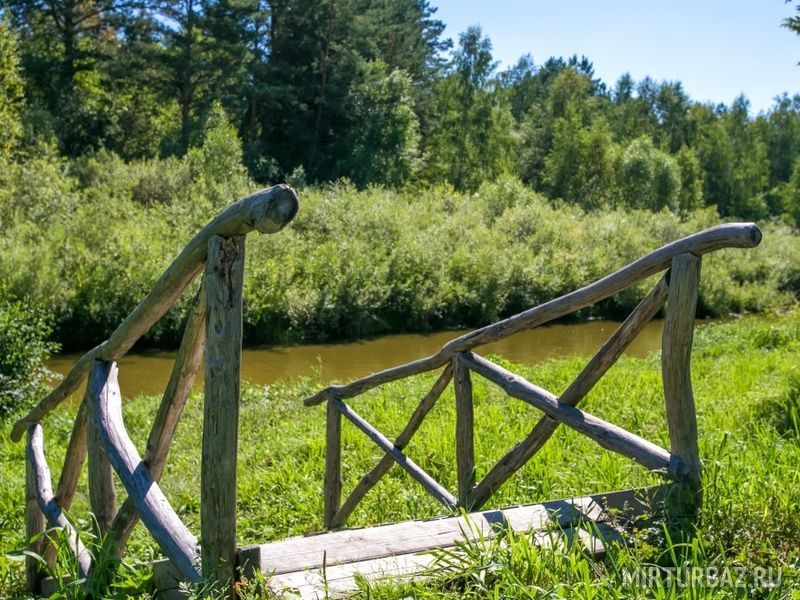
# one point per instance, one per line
(147, 373)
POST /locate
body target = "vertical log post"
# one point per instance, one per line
(333, 463)
(676, 351)
(34, 530)
(465, 450)
(224, 278)
(102, 496)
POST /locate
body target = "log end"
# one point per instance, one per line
(755, 234)
(274, 208)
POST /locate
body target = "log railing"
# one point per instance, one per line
(214, 325)
(214, 331)
(678, 289)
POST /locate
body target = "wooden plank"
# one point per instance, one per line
(599, 364)
(676, 354)
(42, 484)
(266, 211)
(339, 581)
(604, 433)
(369, 480)
(333, 464)
(465, 426)
(423, 478)
(346, 546)
(224, 279)
(171, 535)
(390, 549)
(187, 364)
(102, 495)
(34, 531)
(731, 235)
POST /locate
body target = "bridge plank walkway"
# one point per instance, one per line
(314, 565)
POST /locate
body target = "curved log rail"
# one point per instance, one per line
(99, 431)
(678, 288)
(213, 330)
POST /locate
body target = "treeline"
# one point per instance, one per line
(371, 91)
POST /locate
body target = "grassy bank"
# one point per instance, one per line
(747, 386)
(86, 241)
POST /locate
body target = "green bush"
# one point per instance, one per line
(23, 350)
(89, 238)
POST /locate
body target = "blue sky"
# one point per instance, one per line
(716, 49)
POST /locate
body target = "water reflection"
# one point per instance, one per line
(147, 373)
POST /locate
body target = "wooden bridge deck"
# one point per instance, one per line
(310, 565)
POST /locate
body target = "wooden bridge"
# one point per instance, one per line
(213, 337)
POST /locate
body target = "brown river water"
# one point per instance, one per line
(147, 373)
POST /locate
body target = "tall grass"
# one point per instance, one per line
(747, 387)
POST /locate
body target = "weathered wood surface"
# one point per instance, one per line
(676, 352)
(368, 481)
(40, 478)
(403, 549)
(333, 464)
(599, 364)
(172, 536)
(266, 211)
(71, 471)
(465, 427)
(424, 479)
(102, 495)
(224, 280)
(34, 530)
(731, 235)
(184, 371)
(339, 581)
(604, 433)
(74, 458)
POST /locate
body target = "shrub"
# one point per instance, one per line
(23, 350)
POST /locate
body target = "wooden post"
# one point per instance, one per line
(224, 278)
(34, 530)
(102, 496)
(676, 350)
(465, 451)
(333, 464)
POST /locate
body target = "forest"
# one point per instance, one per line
(372, 92)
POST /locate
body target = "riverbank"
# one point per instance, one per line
(747, 387)
(147, 373)
(356, 264)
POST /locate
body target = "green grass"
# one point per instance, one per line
(747, 386)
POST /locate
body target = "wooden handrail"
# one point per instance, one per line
(732, 235)
(266, 211)
(599, 364)
(604, 433)
(428, 482)
(169, 532)
(368, 481)
(43, 489)
(184, 372)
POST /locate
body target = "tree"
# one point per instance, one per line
(470, 134)
(691, 185)
(383, 139)
(64, 46)
(647, 177)
(11, 91)
(580, 166)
